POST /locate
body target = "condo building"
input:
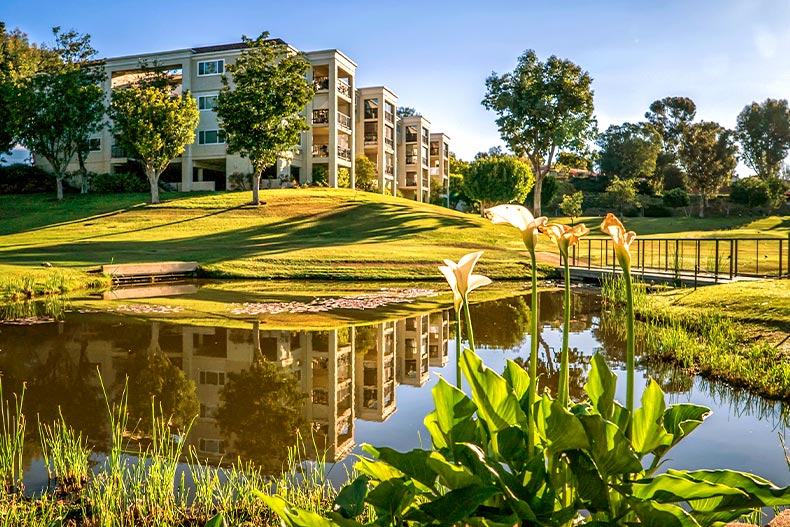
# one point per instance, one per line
(344, 121)
(440, 164)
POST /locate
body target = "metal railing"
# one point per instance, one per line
(411, 160)
(321, 83)
(389, 143)
(344, 153)
(719, 258)
(343, 89)
(389, 117)
(371, 113)
(371, 139)
(411, 138)
(344, 121)
(321, 150)
(321, 116)
(389, 170)
(411, 182)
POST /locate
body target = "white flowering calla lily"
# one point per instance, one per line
(459, 276)
(521, 218)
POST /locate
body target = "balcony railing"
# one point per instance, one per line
(371, 139)
(389, 142)
(434, 152)
(321, 83)
(321, 150)
(371, 113)
(344, 153)
(411, 138)
(389, 171)
(117, 151)
(425, 181)
(411, 181)
(343, 89)
(389, 117)
(411, 160)
(344, 121)
(321, 116)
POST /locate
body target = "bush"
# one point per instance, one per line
(320, 176)
(24, 179)
(621, 195)
(590, 184)
(240, 181)
(657, 211)
(120, 183)
(343, 178)
(677, 197)
(751, 192)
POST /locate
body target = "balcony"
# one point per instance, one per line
(411, 138)
(321, 83)
(434, 151)
(321, 150)
(389, 143)
(425, 140)
(411, 181)
(371, 113)
(343, 89)
(425, 182)
(321, 116)
(371, 139)
(411, 159)
(389, 170)
(344, 121)
(389, 117)
(344, 153)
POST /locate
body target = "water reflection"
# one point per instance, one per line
(255, 390)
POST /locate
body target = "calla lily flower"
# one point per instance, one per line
(621, 238)
(459, 276)
(521, 218)
(565, 237)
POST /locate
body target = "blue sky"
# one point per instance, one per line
(436, 54)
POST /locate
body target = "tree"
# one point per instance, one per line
(366, 176)
(621, 194)
(61, 106)
(751, 192)
(153, 124)
(764, 134)
(670, 116)
(542, 108)
(261, 108)
(571, 205)
(407, 111)
(547, 194)
(578, 161)
(676, 197)
(498, 180)
(629, 151)
(707, 152)
(458, 166)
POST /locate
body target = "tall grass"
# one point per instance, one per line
(12, 442)
(66, 455)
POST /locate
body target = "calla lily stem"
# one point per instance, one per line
(533, 357)
(564, 375)
(629, 344)
(469, 334)
(458, 348)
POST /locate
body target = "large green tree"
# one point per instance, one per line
(153, 124)
(764, 134)
(630, 151)
(671, 116)
(707, 152)
(366, 176)
(492, 180)
(62, 105)
(260, 106)
(542, 108)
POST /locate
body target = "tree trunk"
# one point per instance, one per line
(536, 195)
(153, 179)
(59, 181)
(83, 173)
(703, 206)
(256, 188)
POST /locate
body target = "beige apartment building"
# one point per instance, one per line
(440, 163)
(375, 133)
(413, 158)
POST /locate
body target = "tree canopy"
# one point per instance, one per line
(366, 174)
(707, 151)
(260, 106)
(491, 180)
(542, 108)
(62, 105)
(630, 151)
(764, 134)
(153, 124)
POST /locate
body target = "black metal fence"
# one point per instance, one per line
(717, 257)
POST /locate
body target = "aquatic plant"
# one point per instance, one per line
(66, 455)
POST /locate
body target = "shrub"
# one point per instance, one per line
(320, 176)
(750, 191)
(121, 183)
(343, 178)
(24, 179)
(621, 195)
(657, 211)
(240, 181)
(676, 197)
(591, 184)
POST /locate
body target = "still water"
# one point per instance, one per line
(253, 389)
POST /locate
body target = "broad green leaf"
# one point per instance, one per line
(674, 488)
(518, 380)
(290, 516)
(760, 491)
(217, 520)
(512, 446)
(412, 464)
(558, 428)
(451, 422)
(609, 448)
(376, 470)
(601, 386)
(590, 485)
(663, 515)
(647, 430)
(452, 476)
(350, 501)
(458, 504)
(496, 402)
(392, 498)
(679, 421)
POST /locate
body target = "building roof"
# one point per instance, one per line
(230, 47)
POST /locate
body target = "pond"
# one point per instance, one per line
(253, 387)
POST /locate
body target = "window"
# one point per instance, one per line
(211, 446)
(207, 102)
(211, 137)
(215, 378)
(94, 145)
(372, 108)
(207, 412)
(211, 67)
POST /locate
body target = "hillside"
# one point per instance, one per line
(298, 233)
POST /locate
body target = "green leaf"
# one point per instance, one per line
(374, 469)
(647, 429)
(458, 504)
(675, 488)
(290, 516)
(518, 380)
(590, 485)
(663, 515)
(609, 448)
(350, 501)
(760, 491)
(601, 386)
(452, 421)
(558, 428)
(451, 475)
(497, 404)
(217, 520)
(392, 498)
(413, 464)
(679, 421)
